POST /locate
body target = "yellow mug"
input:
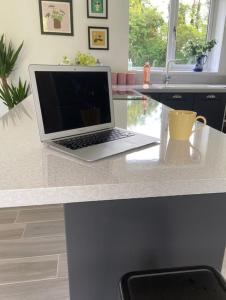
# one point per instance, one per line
(181, 123)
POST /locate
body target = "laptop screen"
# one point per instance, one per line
(73, 100)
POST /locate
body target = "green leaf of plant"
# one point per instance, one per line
(12, 95)
(8, 57)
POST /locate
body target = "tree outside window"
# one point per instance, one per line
(149, 23)
(192, 25)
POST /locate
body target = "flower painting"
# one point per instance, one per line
(56, 17)
(97, 9)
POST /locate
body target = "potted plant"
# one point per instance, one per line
(10, 94)
(82, 59)
(199, 50)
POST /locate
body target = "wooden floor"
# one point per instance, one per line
(33, 264)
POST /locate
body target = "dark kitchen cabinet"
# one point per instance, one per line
(212, 107)
(175, 100)
(209, 105)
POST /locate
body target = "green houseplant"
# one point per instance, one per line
(83, 59)
(10, 94)
(199, 50)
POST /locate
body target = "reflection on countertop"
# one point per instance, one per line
(127, 94)
(182, 153)
(158, 163)
(30, 166)
(15, 115)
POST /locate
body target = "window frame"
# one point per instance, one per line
(171, 42)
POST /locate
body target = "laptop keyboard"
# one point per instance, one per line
(95, 138)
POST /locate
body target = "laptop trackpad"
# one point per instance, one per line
(107, 149)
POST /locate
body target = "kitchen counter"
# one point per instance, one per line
(157, 207)
(34, 174)
(206, 100)
(172, 87)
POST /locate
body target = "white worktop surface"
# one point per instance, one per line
(34, 174)
(175, 88)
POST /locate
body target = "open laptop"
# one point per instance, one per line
(75, 112)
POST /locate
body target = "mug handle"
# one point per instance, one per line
(201, 126)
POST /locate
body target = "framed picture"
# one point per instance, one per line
(97, 9)
(98, 38)
(56, 17)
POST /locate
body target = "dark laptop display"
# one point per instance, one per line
(71, 100)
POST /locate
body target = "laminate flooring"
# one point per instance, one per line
(33, 261)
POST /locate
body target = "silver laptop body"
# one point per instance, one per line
(74, 101)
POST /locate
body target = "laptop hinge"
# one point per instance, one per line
(77, 135)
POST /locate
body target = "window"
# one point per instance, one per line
(160, 29)
(148, 33)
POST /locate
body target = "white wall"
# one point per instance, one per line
(20, 21)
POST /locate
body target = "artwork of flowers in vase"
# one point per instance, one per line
(56, 17)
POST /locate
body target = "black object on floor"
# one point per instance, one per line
(194, 283)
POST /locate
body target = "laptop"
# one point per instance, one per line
(75, 114)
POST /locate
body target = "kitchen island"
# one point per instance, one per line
(207, 100)
(156, 207)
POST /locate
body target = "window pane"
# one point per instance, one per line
(192, 24)
(148, 23)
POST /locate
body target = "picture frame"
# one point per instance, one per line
(97, 9)
(98, 38)
(56, 17)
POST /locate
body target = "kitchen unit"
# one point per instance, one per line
(209, 105)
(149, 208)
(208, 101)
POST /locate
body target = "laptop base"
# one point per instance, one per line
(97, 152)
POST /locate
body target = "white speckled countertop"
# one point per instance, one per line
(34, 174)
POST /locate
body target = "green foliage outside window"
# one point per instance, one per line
(148, 32)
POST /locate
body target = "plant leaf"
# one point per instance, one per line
(8, 57)
(12, 95)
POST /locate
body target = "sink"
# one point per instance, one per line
(217, 86)
(194, 86)
(187, 86)
(184, 86)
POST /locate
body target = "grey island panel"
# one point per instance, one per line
(108, 239)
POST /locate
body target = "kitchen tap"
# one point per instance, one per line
(167, 76)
